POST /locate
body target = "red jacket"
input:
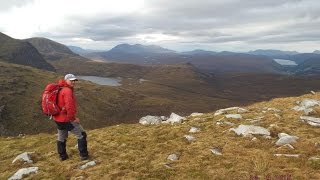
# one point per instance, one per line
(67, 103)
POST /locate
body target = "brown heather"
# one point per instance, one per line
(134, 151)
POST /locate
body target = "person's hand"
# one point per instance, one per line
(77, 120)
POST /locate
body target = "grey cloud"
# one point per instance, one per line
(204, 21)
(6, 5)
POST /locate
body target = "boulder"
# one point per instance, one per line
(242, 110)
(234, 116)
(305, 105)
(250, 129)
(22, 172)
(88, 164)
(150, 120)
(223, 111)
(174, 118)
(286, 139)
(24, 157)
(311, 120)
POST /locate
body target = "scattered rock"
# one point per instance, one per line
(250, 129)
(274, 109)
(88, 164)
(288, 155)
(167, 166)
(257, 119)
(190, 138)
(311, 120)
(196, 114)
(286, 139)
(234, 116)
(24, 157)
(223, 111)
(216, 151)
(242, 110)
(150, 120)
(24, 171)
(175, 118)
(312, 92)
(225, 122)
(306, 105)
(194, 130)
(173, 157)
(286, 146)
(314, 159)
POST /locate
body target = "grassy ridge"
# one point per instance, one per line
(140, 152)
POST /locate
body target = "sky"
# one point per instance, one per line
(216, 25)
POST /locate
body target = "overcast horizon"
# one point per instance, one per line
(230, 25)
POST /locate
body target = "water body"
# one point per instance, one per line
(285, 62)
(102, 80)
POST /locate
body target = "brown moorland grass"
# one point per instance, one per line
(134, 151)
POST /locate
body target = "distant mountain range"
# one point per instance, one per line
(206, 61)
(79, 50)
(43, 53)
(259, 61)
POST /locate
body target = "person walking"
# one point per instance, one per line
(67, 121)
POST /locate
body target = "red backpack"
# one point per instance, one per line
(50, 100)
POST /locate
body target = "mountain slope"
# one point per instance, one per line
(21, 52)
(138, 54)
(141, 152)
(52, 50)
(98, 106)
(158, 90)
(309, 67)
(235, 63)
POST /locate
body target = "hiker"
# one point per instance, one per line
(67, 121)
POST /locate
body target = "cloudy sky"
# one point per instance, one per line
(218, 25)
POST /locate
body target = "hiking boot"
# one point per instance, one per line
(82, 147)
(83, 158)
(61, 147)
(64, 158)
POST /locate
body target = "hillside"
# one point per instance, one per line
(98, 106)
(309, 67)
(145, 90)
(21, 52)
(235, 63)
(53, 51)
(140, 151)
